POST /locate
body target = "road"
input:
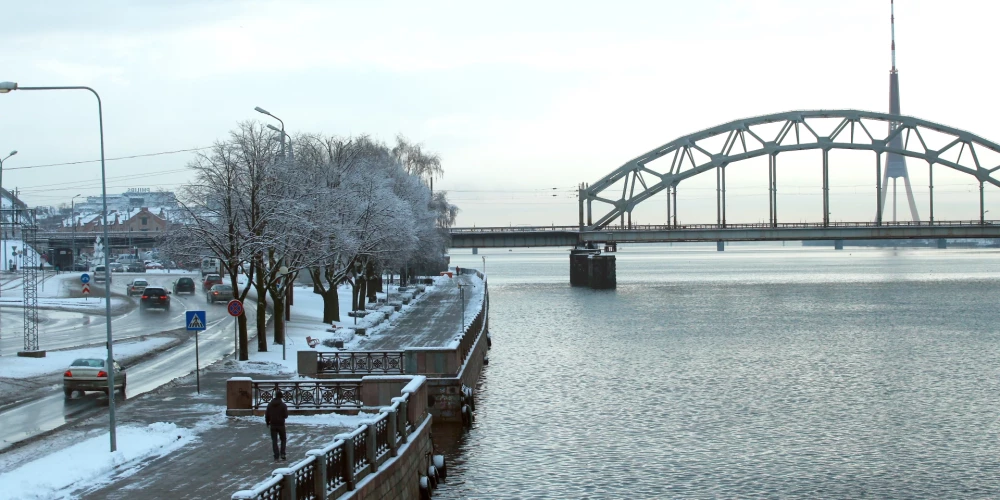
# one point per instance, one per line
(28, 419)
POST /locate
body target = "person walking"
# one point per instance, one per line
(274, 417)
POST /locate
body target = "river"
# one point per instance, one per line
(761, 371)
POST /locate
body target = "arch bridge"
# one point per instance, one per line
(614, 197)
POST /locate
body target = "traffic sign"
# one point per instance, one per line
(86, 289)
(84, 278)
(235, 307)
(195, 320)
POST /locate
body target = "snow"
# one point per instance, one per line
(87, 461)
(57, 361)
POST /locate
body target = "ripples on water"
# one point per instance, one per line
(756, 372)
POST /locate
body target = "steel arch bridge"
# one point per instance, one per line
(618, 193)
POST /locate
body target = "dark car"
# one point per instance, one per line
(135, 268)
(219, 293)
(211, 279)
(184, 285)
(154, 297)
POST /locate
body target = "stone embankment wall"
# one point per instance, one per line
(400, 477)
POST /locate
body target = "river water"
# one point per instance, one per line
(762, 371)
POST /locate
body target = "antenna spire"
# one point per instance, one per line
(892, 24)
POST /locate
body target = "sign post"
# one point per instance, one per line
(235, 308)
(85, 279)
(195, 321)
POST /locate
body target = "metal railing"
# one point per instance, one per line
(320, 394)
(388, 362)
(751, 225)
(331, 471)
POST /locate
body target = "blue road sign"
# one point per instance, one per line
(84, 278)
(195, 320)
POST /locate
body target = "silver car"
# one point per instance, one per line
(90, 374)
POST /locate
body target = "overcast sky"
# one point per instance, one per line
(522, 100)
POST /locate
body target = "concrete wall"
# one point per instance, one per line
(399, 477)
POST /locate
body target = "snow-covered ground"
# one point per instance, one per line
(88, 462)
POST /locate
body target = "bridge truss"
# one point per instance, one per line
(617, 194)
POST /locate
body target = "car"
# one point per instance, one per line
(91, 374)
(154, 297)
(218, 293)
(117, 267)
(98, 275)
(135, 267)
(136, 287)
(184, 284)
(211, 279)
(78, 267)
(154, 265)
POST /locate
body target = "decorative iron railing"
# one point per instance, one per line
(336, 469)
(388, 362)
(320, 394)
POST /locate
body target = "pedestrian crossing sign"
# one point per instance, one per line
(195, 320)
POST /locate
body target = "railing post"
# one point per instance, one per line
(401, 414)
(319, 474)
(390, 415)
(372, 444)
(348, 440)
(287, 483)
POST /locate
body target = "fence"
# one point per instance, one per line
(335, 363)
(311, 394)
(335, 469)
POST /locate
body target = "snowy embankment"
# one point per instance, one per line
(57, 361)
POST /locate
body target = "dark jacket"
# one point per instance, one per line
(276, 413)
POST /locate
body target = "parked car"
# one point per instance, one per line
(98, 275)
(79, 267)
(211, 279)
(91, 374)
(135, 267)
(185, 285)
(136, 287)
(117, 267)
(154, 265)
(219, 293)
(154, 298)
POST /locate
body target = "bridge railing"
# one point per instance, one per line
(750, 225)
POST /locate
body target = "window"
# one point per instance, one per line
(144, 220)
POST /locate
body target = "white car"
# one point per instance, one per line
(136, 287)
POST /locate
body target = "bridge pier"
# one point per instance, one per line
(838, 244)
(942, 243)
(475, 251)
(588, 267)
(720, 246)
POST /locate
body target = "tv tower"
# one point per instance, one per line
(895, 165)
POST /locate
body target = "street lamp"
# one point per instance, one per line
(282, 130)
(6, 87)
(4, 232)
(72, 220)
(283, 272)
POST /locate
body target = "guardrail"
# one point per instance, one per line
(335, 469)
(752, 225)
(312, 394)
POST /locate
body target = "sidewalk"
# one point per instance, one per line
(435, 323)
(234, 453)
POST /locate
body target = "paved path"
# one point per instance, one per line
(434, 323)
(232, 454)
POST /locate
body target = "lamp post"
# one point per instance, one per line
(4, 232)
(291, 150)
(72, 220)
(282, 130)
(6, 87)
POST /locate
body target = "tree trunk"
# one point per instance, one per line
(331, 306)
(241, 320)
(261, 311)
(360, 293)
(279, 316)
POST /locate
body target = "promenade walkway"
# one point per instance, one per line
(436, 322)
(234, 453)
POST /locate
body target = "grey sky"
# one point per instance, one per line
(517, 97)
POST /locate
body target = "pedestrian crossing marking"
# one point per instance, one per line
(195, 320)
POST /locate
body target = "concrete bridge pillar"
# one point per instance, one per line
(942, 243)
(838, 244)
(720, 246)
(578, 266)
(475, 251)
(601, 271)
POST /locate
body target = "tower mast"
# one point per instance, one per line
(895, 165)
